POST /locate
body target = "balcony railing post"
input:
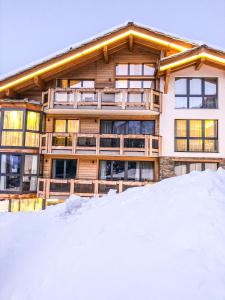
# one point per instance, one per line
(124, 99)
(47, 188)
(121, 144)
(150, 145)
(99, 95)
(49, 143)
(147, 99)
(151, 100)
(71, 186)
(97, 139)
(146, 145)
(96, 187)
(120, 186)
(74, 142)
(75, 98)
(51, 98)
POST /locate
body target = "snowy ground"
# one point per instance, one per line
(160, 242)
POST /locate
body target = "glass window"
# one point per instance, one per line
(88, 84)
(181, 128)
(73, 126)
(211, 166)
(148, 127)
(180, 86)
(196, 135)
(121, 84)
(148, 84)
(126, 170)
(33, 120)
(10, 164)
(122, 69)
(64, 168)
(135, 84)
(127, 127)
(13, 119)
(135, 97)
(30, 164)
(149, 69)
(75, 84)
(195, 86)
(135, 69)
(60, 125)
(12, 138)
(196, 93)
(134, 127)
(32, 139)
(180, 168)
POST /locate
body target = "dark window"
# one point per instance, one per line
(196, 135)
(126, 170)
(64, 168)
(127, 127)
(196, 93)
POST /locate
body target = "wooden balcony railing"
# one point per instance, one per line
(53, 188)
(100, 144)
(100, 99)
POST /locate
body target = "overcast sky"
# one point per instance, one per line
(30, 30)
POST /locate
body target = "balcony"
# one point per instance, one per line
(101, 101)
(100, 144)
(63, 188)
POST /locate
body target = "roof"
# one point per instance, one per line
(41, 68)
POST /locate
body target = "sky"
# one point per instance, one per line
(31, 30)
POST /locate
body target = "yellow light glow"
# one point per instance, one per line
(89, 50)
(192, 58)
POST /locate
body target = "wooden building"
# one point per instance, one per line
(127, 108)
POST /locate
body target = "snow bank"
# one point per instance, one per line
(160, 242)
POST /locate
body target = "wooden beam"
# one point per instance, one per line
(106, 54)
(39, 83)
(167, 79)
(131, 43)
(199, 64)
(10, 93)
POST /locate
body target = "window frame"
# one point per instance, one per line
(142, 69)
(53, 170)
(70, 79)
(203, 137)
(203, 94)
(141, 80)
(24, 129)
(126, 162)
(188, 163)
(21, 174)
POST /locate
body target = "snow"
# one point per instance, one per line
(164, 242)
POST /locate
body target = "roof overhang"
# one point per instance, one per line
(196, 56)
(81, 52)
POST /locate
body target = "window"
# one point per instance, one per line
(18, 173)
(127, 127)
(126, 170)
(64, 168)
(16, 124)
(182, 168)
(196, 93)
(75, 83)
(135, 70)
(196, 135)
(135, 84)
(64, 126)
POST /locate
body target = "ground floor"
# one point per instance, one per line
(58, 176)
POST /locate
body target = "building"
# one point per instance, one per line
(129, 107)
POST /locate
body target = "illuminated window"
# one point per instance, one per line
(196, 135)
(20, 128)
(33, 120)
(13, 119)
(196, 93)
(65, 126)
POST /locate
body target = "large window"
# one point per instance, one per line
(20, 128)
(127, 127)
(18, 173)
(75, 83)
(135, 70)
(182, 168)
(126, 170)
(196, 135)
(64, 168)
(196, 93)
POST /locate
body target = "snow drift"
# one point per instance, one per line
(160, 242)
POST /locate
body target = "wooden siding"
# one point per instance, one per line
(89, 126)
(87, 169)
